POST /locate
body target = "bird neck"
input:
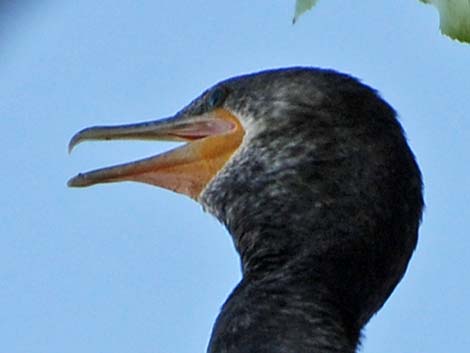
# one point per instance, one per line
(323, 240)
(295, 296)
(283, 312)
(309, 284)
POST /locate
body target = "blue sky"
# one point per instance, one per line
(132, 268)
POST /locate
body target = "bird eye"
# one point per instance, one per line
(217, 98)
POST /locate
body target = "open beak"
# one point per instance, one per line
(212, 139)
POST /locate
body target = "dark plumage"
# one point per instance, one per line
(323, 200)
(323, 204)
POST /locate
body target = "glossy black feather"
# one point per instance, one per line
(323, 201)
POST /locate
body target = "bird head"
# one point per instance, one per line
(309, 170)
(297, 136)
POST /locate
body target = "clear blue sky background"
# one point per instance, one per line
(132, 268)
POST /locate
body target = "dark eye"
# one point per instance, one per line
(217, 98)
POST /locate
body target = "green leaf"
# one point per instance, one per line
(302, 6)
(454, 17)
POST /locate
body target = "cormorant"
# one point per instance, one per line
(312, 175)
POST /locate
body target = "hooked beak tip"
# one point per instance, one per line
(74, 141)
